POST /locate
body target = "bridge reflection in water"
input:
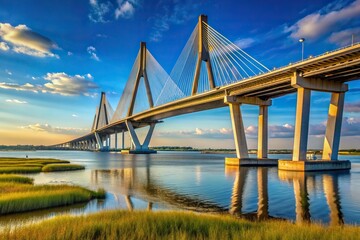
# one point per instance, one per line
(302, 182)
(138, 183)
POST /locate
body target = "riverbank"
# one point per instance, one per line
(119, 224)
(35, 165)
(19, 194)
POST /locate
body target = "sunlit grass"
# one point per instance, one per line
(40, 199)
(34, 165)
(15, 179)
(62, 167)
(18, 194)
(172, 225)
(17, 169)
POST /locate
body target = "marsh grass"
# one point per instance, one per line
(34, 165)
(17, 169)
(15, 179)
(62, 167)
(18, 194)
(172, 225)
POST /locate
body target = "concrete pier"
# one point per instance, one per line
(242, 156)
(314, 165)
(251, 162)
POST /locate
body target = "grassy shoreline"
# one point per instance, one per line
(19, 194)
(35, 165)
(120, 224)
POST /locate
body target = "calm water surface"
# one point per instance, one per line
(201, 182)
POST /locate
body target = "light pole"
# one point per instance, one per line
(302, 40)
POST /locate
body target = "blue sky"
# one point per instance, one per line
(57, 56)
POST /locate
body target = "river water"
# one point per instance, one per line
(201, 182)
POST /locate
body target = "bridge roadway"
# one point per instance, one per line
(334, 67)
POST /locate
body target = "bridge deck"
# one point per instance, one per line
(340, 65)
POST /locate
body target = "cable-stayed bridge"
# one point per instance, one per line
(212, 72)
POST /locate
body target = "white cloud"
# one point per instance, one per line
(125, 9)
(70, 53)
(59, 130)
(4, 46)
(58, 83)
(18, 87)
(222, 133)
(244, 42)
(15, 101)
(352, 107)
(323, 22)
(74, 115)
(63, 84)
(344, 38)
(275, 131)
(25, 41)
(92, 51)
(99, 11)
(8, 72)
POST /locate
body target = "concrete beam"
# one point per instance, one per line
(246, 100)
(317, 84)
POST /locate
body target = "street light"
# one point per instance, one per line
(302, 40)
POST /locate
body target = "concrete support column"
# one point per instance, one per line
(333, 127)
(136, 145)
(263, 132)
(116, 141)
(99, 141)
(146, 142)
(301, 124)
(238, 130)
(123, 139)
(133, 136)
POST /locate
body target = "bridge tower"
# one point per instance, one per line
(141, 74)
(102, 118)
(203, 55)
(136, 146)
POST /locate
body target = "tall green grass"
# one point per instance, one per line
(18, 194)
(62, 167)
(34, 165)
(32, 200)
(15, 178)
(17, 169)
(172, 225)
